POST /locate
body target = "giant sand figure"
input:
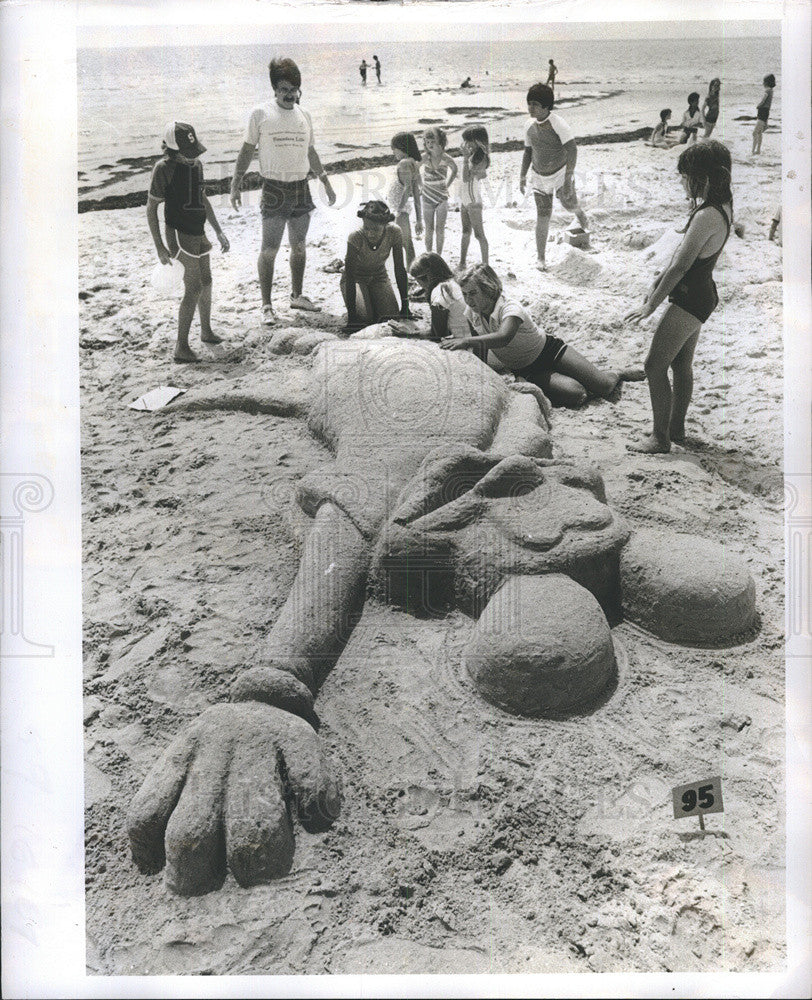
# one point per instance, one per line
(443, 493)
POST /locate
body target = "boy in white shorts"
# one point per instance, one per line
(549, 145)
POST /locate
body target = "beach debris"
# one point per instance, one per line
(156, 398)
(98, 341)
(335, 266)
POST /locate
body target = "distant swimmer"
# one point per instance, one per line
(466, 82)
(551, 75)
(362, 69)
(377, 68)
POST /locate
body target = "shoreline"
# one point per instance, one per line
(252, 180)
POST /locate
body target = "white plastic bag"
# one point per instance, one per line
(167, 279)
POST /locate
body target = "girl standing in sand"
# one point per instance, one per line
(405, 186)
(763, 112)
(368, 250)
(439, 171)
(688, 282)
(476, 158)
(499, 323)
(710, 109)
(177, 181)
(692, 120)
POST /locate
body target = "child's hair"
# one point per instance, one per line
(171, 153)
(439, 136)
(483, 277)
(541, 94)
(431, 266)
(406, 143)
(708, 162)
(693, 98)
(769, 80)
(284, 69)
(665, 113)
(478, 134)
(714, 85)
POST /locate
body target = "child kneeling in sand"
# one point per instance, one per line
(177, 181)
(659, 134)
(368, 250)
(549, 145)
(502, 325)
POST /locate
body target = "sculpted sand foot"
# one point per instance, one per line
(442, 494)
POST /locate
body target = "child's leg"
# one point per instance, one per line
(674, 330)
(440, 217)
(465, 219)
(544, 209)
(192, 286)
(207, 335)
(406, 229)
(562, 390)
(683, 371)
(569, 199)
(428, 221)
(475, 215)
(596, 382)
(709, 127)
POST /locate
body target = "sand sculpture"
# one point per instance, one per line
(443, 493)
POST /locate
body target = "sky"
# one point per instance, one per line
(151, 22)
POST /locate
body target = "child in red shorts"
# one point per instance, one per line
(177, 181)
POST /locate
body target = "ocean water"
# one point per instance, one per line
(126, 95)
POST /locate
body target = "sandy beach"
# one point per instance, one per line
(470, 840)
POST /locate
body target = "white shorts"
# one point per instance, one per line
(549, 183)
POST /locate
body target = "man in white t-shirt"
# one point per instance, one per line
(549, 146)
(283, 135)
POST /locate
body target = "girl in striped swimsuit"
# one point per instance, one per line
(439, 171)
(475, 163)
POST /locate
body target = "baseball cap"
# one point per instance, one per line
(182, 137)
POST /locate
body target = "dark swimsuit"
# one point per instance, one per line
(696, 293)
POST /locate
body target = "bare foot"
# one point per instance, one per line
(541, 265)
(632, 375)
(210, 338)
(185, 357)
(651, 446)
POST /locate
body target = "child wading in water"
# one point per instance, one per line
(476, 158)
(368, 250)
(688, 282)
(439, 171)
(502, 325)
(177, 181)
(549, 145)
(405, 186)
(763, 112)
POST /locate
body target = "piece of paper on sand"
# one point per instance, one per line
(156, 398)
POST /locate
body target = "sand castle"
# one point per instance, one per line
(443, 494)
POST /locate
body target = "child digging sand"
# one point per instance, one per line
(177, 181)
(504, 326)
(549, 145)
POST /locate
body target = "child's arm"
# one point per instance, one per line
(527, 159)
(503, 336)
(572, 158)
(350, 285)
(211, 218)
(454, 169)
(407, 189)
(318, 170)
(700, 230)
(418, 209)
(244, 157)
(401, 278)
(155, 228)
